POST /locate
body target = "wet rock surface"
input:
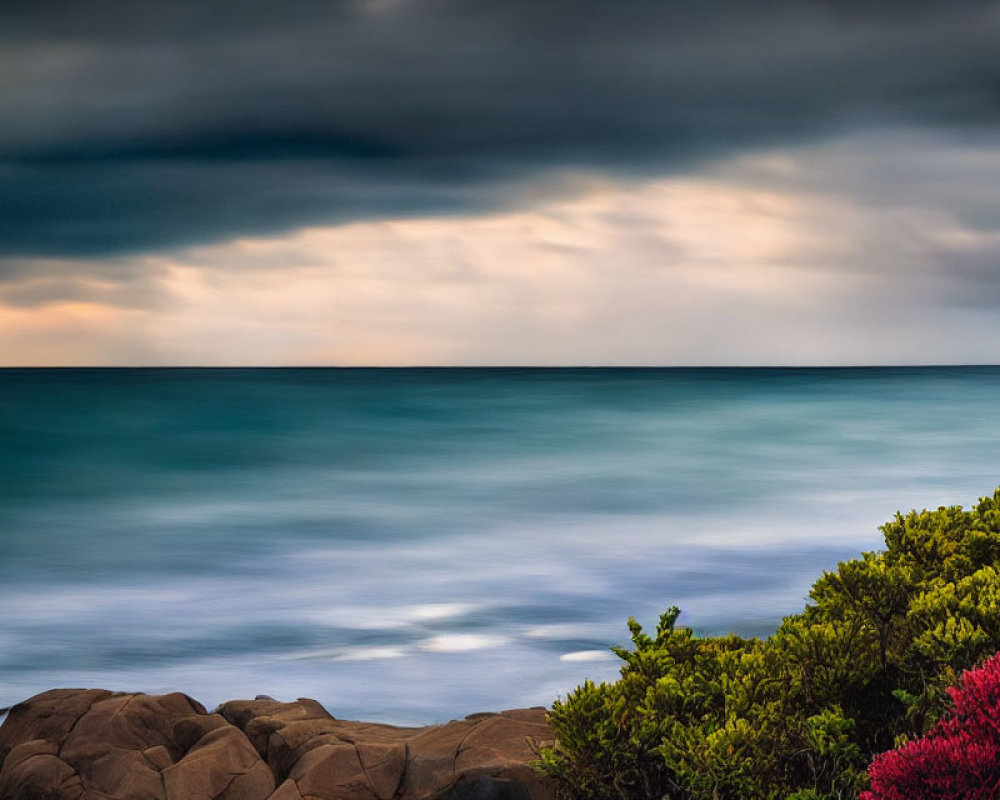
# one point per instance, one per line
(92, 744)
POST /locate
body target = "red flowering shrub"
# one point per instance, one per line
(959, 759)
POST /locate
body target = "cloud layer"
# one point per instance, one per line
(131, 127)
(879, 248)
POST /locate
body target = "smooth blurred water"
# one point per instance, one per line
(414, 545)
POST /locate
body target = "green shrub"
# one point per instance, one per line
(797, 716)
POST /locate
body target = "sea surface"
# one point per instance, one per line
(414, 545)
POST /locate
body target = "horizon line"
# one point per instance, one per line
(492, 366)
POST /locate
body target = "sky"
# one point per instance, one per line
(463, 182)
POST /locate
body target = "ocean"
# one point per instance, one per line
(414, 545)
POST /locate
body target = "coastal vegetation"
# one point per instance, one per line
(959, 759)
(865, 667)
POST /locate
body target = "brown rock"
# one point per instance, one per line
(222, 764)
(384, 763)
(158, 757)
(33, 768)
(332, 772)
(49, 716)
(98, 745)
(483, 757)
(92, 745)
(287, 791)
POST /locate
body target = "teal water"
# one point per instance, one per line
(415, 545)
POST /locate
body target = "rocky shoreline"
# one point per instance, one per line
(93, 744)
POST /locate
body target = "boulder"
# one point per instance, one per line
(94, 745)
(483, 757)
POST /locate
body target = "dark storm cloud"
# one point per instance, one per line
(132, 126)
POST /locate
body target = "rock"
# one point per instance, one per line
(48, 716)
(34, 769)
(92, 745)
(223, 765)
(96, 745)
(483, 757)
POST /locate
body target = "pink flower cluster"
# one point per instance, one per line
(959, 758)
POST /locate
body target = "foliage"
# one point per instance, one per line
(959, 759)
(799, 715)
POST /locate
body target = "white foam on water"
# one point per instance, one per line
(374, 653)
(461, 642)
(556, 631)
(387, 617)
(588, 655)
(430, 612)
